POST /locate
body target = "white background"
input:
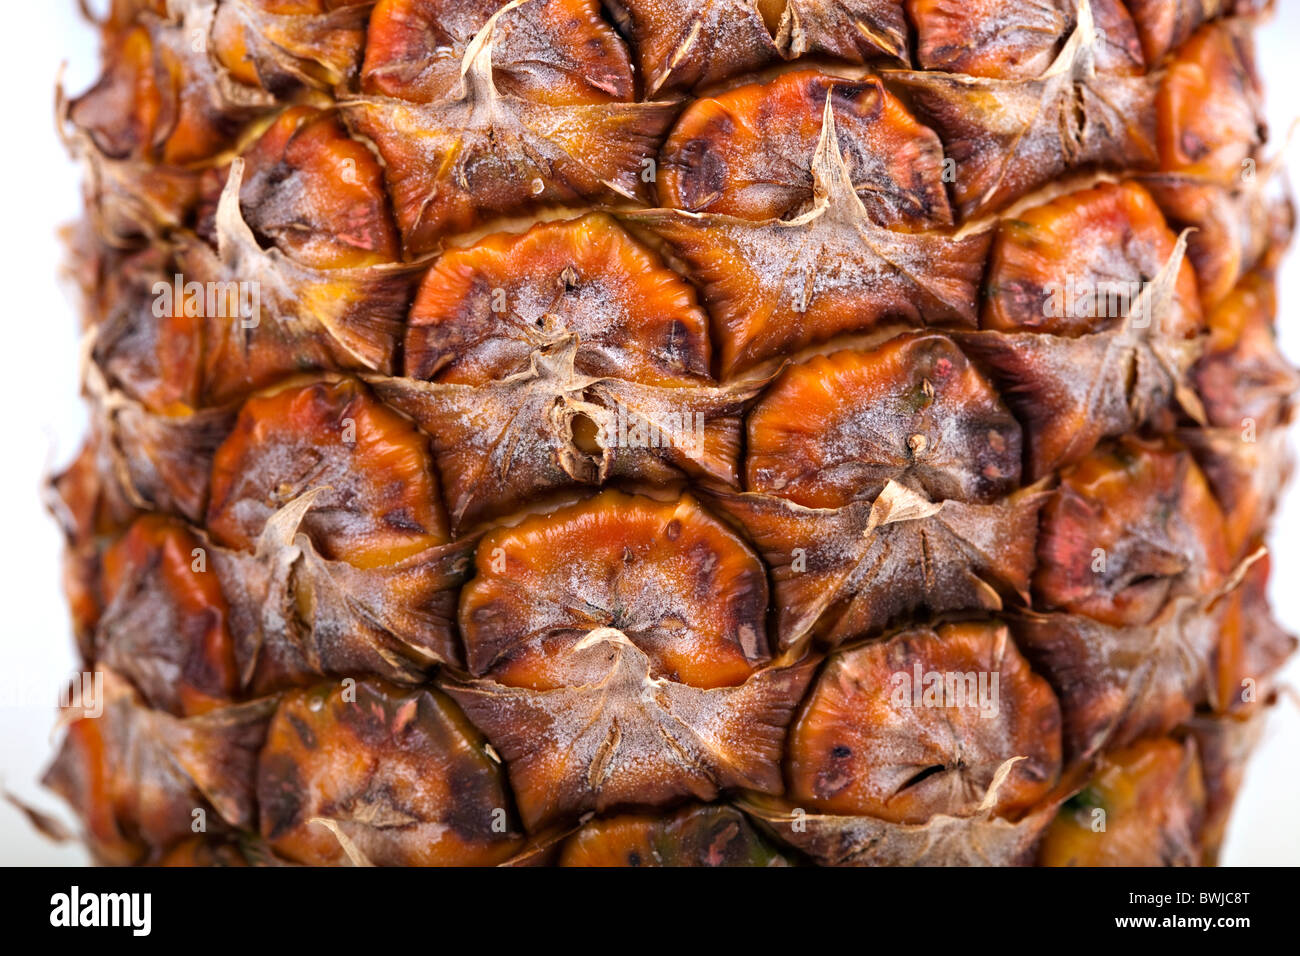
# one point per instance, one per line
(41, 421)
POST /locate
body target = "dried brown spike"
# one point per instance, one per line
(1143, 807)
(693, 836)
(1130, 526)
(918, 725)
(1070, 392)
(619, 736)
(1252, 646)
(313, 191)
(138, 777)
(853, 30)
(1117, 684)
(838, 840)
(509, 441)
(381, 501)
(847, 572)
(373, 774)
(681, 44)
(482, 311)
(297, 616)
(773, 285)
(745, 152)
(164, 626)
(156, 460)
(1065, 266)
(837, 428)
(1009, 41)
(280, 45)
(1009, 137)
(478, 151)
(268, 316)
(558, 51)
(627, 633)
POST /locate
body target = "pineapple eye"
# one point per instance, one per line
(1130, 526)
(170, 608)
(382, 502)
(1138, 809)
(833, 196)
(691, 836)
(919, 724)
(616, 553)
(633, 316)
(301, 176)
(378, 774)
(989, 38)
(592, 627)
(1208, 110)
(543, 115)
(836, 428)
(746, 152)
(1081, 261)
(283, 45)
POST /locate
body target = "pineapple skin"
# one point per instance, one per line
(549, 433)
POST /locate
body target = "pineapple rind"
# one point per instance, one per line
(325, 647)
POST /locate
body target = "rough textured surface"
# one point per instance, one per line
(665, 433)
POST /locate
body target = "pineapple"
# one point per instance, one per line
(673, 434)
